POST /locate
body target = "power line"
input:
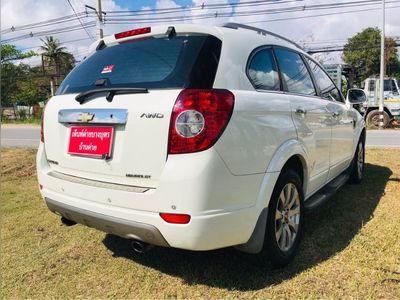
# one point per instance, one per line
(50, 22)
(318, 15)
(50, 32)
(79, 19)
(351, 4)
(340, 49)
(199, 7)
(76, 15)
(215, 15)
(62, 42)
(203, 6)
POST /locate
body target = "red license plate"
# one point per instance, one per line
(91, 141)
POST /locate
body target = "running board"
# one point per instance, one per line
(326, 192)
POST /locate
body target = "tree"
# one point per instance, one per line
(10, 53)
(11, 71)
(362, 53)
(56, 57)
(33, 88)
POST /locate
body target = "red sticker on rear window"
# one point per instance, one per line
(107, 69)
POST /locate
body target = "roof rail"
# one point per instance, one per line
(260, 31)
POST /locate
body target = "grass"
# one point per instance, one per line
(350, 249)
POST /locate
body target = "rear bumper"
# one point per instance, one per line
(223, 207)
(203, 232)
(125, 228)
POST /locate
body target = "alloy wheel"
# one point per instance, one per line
(287, 217)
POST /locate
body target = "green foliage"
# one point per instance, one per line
(10, 53)
(10, 71)
(57, 59)
(344, 87)
(362, 53)
(22, 114)
(28, 92)
(23, 83)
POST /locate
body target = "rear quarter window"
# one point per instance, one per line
(262, 71)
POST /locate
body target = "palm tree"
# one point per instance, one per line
(57, 58)
(56, 55)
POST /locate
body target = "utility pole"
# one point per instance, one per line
(382, 75)
(99, 23)
(52, 86)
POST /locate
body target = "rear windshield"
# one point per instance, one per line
(188, 61)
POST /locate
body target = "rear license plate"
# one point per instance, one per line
(91, 141)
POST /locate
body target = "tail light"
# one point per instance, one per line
(198, 119)
(41, 126)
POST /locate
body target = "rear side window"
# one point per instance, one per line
(262, 71)
(188, 61)
(294, 72)
(327, 87)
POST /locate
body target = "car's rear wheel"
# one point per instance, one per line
(357, 166)
(285, 219)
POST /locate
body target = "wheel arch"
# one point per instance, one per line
(362, 135)
(292, 155)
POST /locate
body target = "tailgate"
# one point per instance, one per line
(135, 125)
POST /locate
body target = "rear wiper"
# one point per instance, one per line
(111, 92)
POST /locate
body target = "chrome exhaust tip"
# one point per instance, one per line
(67, 222)
(140, 247)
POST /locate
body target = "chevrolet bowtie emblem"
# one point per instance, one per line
(85, 117)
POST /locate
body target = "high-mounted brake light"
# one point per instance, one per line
(175, 218)
(199, 118)
(132, 32)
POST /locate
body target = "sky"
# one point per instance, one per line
(290, 18)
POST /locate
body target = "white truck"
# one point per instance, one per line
(370, 109)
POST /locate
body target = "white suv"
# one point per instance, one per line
(198, 138)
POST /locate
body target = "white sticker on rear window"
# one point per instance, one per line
(107, 69)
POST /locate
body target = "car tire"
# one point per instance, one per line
(357, 165)
(373, 118)
(285, 219)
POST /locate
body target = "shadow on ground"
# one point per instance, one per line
(327, 231)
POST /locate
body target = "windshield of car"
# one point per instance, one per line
(187, 61)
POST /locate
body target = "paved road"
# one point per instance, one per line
(383, 138)
(28, 136)
(20, 136)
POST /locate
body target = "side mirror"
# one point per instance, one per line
(356, 96)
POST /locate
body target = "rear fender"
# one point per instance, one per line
(287, 150)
